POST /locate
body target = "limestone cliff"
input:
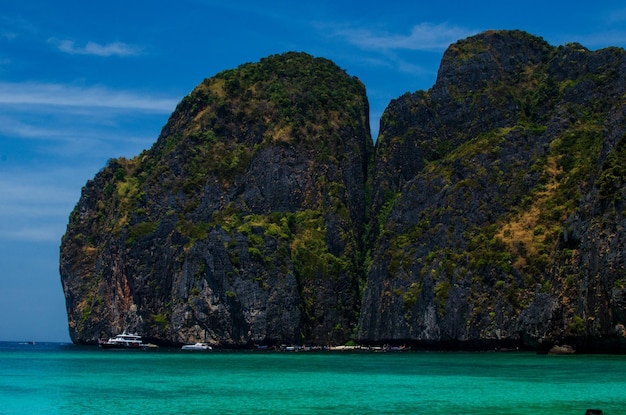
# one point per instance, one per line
(490, 212)
(241, 225)
(492, 225)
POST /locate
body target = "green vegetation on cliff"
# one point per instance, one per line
(492, 211)
(256, 183)
(512, 150)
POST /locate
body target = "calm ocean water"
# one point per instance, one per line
(67, 379)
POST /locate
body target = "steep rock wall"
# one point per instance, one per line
(491, 228)
(243, 224)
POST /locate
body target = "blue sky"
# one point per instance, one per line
(83, 82)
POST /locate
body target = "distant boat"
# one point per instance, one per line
(123, 341)
(262, 347)
(197, 346)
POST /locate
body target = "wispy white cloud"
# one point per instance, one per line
(50, 139)
(96, 49)
(422, 37)
(92, 123)
(38, 189)
(13, 27)
(35, 207)
(37, 233)
(53, 138)
(8, 35)
(14, 127)
(51, 94)
(26, 198)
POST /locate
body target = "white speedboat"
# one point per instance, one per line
(197, 346)
(122, 341)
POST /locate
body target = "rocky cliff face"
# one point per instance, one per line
(243, 224)
(490, 214)
(491, 223)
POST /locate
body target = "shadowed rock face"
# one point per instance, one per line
(492, 225)
(490, 212)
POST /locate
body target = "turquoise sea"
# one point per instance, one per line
(54, 378)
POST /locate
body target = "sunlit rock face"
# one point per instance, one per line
(243, 223)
